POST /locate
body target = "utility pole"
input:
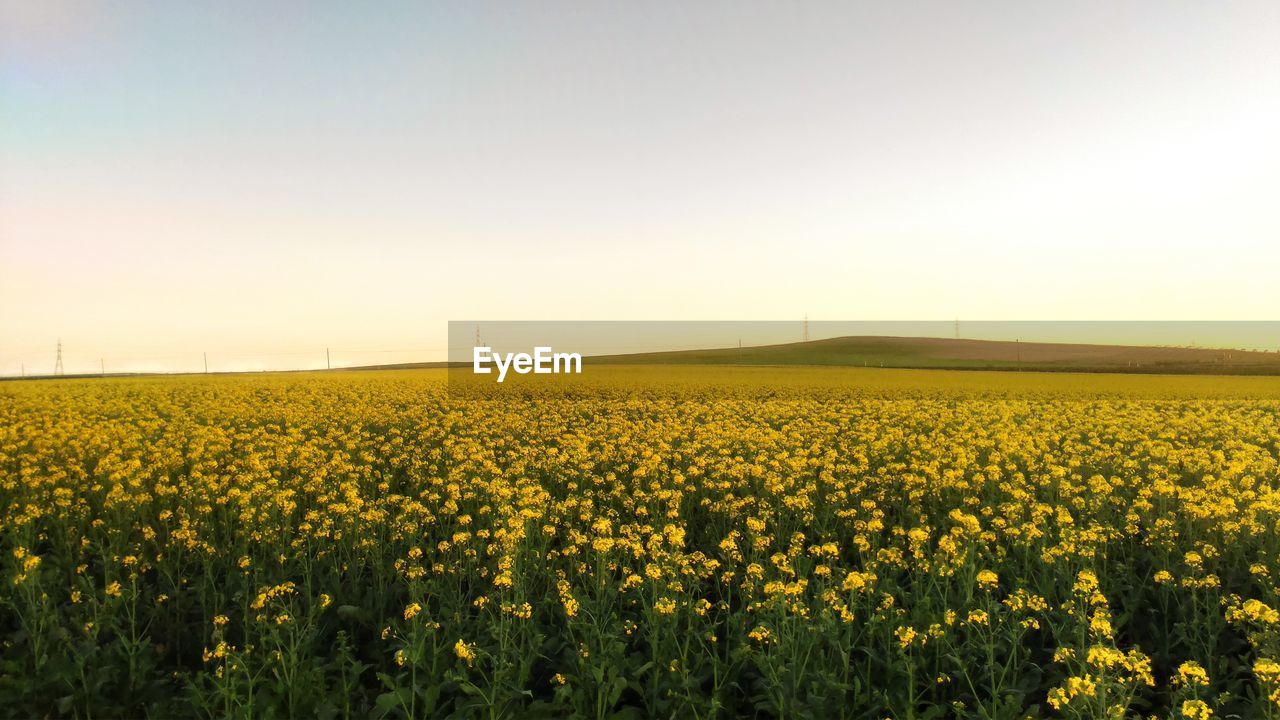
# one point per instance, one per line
(57, 367)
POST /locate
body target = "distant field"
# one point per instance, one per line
(926, 353)
(976, 354)
(953, 354)
(653, 381)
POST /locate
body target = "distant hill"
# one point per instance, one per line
(956, 354)
(923, 352)
(436, 365)
(919, 352)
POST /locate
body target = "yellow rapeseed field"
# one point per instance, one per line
(661, 542)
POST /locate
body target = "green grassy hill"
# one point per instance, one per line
(973, 354)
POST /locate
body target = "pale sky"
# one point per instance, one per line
(264, 180)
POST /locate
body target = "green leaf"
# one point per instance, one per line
(615, 691)
(350, 612)
(388, 681)
(387, 701)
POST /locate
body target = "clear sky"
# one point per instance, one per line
(261, 180)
